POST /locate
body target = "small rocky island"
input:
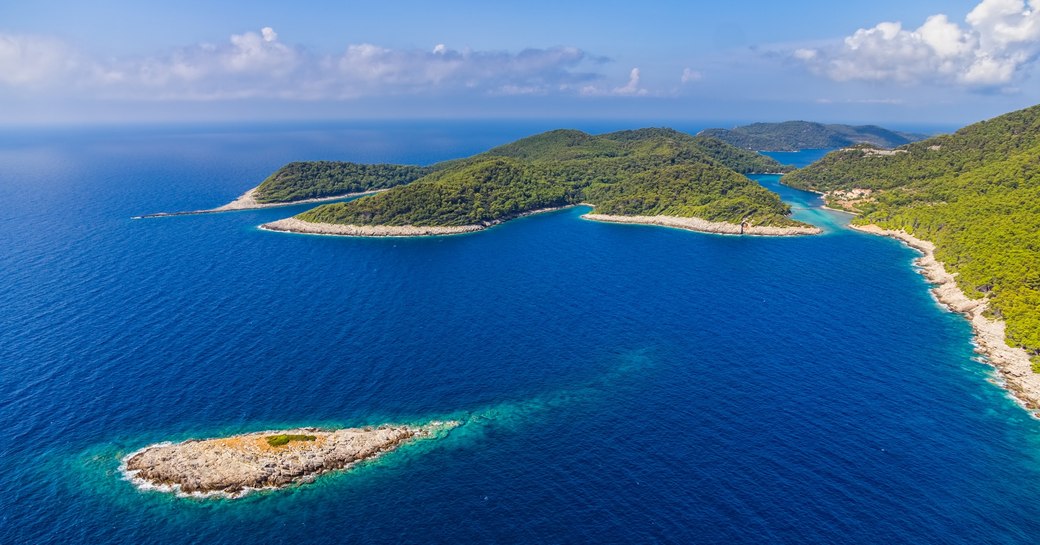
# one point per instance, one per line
(232, 466)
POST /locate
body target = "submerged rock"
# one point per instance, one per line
(269, 459)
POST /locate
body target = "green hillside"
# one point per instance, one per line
(641, 172)
(315, 179)
(974, 193)
(798, 135)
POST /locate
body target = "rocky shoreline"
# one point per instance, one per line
(233, 466)
(295, 225)
(705, 226)
(247, 201)
(1012, 363)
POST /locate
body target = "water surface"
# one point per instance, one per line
(620, 383)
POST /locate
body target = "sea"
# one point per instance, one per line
(615, 383)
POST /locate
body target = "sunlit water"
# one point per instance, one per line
(617, 383)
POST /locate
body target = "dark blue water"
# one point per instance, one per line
(619, 383)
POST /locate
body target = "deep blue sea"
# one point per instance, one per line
(618, 383)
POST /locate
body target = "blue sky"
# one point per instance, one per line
(893, 62)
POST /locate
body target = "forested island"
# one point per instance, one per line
(975, 194)
(799, 135)
(639, 176)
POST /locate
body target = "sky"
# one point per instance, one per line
(892, 62)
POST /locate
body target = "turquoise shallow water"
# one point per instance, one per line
(618, 383)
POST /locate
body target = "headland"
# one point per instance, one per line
(247, 201)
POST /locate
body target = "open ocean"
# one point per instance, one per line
(618, 383)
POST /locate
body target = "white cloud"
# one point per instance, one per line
(1000, 40)
(805, 54)
(250, 64)
(258, 52)
(631, 88)
(690, 75)
(259, 64)
(367, 68)
(33, 60)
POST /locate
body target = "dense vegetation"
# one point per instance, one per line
(314, 179)
(690, 190)
(643, 172)
(286, 438)
(975, 194)
(567, 145)
(478, 192)
(799, 135)
(741, 160)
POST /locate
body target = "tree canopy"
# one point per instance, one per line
(638, 172)
(315, 179)
(799, 135)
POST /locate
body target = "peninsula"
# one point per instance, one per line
(970, 201)
(232, 466)
(799, 135)
(314, 182)
(653, 176)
